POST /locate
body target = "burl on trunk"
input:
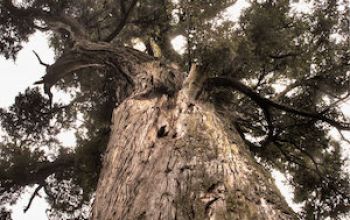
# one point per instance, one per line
(173, 157)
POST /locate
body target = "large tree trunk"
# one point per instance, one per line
(172, 158)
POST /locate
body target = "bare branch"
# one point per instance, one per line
(36, 192)
(40, 61)
(282, 56)
(340, 100)
(253, 147)
(267, 103)
(69, 62)
(286, 90)
(343, 138)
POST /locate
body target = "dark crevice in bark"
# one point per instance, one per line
(162, 132)
(214, 186)
(208, 206)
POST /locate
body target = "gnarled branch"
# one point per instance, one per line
(265, 103)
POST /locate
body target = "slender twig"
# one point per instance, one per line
(40, 61)
(282, 56)
(305, 152)
(343, 136)
(36, 192)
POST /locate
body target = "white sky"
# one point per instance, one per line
(37, 210)
(16, 77)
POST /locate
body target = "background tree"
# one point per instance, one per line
(237, 85)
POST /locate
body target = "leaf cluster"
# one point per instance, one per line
(291, 72)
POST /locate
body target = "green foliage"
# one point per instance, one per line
(15, 166)
(5, 214)
(30, 115)
(274, 46)
(269, 46)
(325, 191)
(88, 161)
(13, 31)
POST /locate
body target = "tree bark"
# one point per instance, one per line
(172, 157)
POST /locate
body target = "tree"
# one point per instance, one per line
(182, 136)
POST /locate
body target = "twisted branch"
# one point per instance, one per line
(265, 104)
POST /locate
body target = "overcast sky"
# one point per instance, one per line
(16, 76)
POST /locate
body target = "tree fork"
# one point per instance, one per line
(172, 157)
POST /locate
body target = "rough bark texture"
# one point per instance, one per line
(170, 157)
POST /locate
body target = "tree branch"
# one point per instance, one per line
(286, 90)
(69, 62)
(270, 128)
(282, 56)
(39, 171)
(36, 192)
(303, 151)
(125, 13)
(253, 147)
(265, 103)
(45, 169)
(296, 160)
(40, 61)
(54, 22)
(343, 138)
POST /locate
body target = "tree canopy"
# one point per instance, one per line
(277, 75)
